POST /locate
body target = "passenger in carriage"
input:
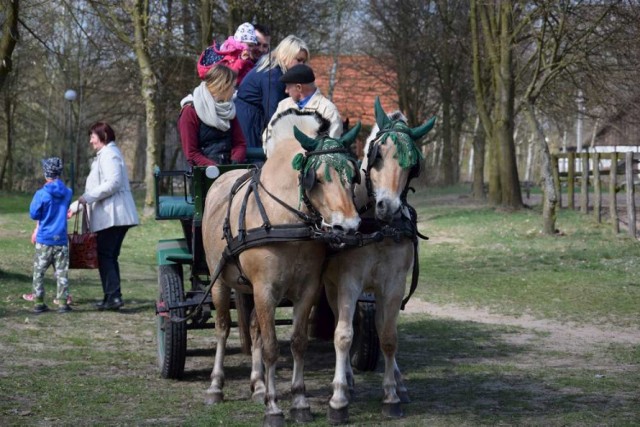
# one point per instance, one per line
(239, 52)
(264, 40)
(209, 130)
(304, 95)
(261, 90)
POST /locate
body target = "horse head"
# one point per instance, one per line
(392, 159)
(328, 173)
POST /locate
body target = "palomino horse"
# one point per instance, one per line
(256, 236)
(391, 160)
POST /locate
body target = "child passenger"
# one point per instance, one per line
(239, 52)
(49, 208)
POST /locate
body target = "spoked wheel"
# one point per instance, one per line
(172, 336)
(365, 348)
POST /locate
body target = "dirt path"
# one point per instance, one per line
(561, 336)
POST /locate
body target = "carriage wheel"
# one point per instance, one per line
(172, 336)
(365, 348)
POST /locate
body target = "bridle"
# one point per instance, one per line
(396, 127)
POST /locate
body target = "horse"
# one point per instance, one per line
(261, 242)
(391, 160)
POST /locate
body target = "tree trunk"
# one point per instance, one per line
(149, 90)
(7, 162)
(447, 152)
(497, 116)
(206, 35)
(9, 38)
(478, 163)
(549, 189)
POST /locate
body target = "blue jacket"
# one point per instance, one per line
(49, 207)
(256, 101)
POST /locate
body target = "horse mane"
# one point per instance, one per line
(284, 122)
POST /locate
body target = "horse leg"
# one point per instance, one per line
(343, 299)
(300, 408)
(401, 389)
(221, 296)
(386, 324)
(258, 388)
(265, 313)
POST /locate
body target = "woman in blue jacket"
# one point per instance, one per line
(261, 90)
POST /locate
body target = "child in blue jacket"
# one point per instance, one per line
(49, 208)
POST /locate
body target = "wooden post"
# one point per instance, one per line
(631, 205)
(556, 178)
(613, 200)
(584, 184)
(597, 203)
(571, 176)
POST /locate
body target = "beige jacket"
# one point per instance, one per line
(319, 103)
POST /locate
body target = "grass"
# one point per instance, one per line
(480, 257)
(94, 368)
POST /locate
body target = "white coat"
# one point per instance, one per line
(107, 191)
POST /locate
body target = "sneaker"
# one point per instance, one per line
(40, 308)
(29, 297)
(69, 301)
(64, 308)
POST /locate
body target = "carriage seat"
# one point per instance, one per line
(175, 207)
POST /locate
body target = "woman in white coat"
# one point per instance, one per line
(112, 209)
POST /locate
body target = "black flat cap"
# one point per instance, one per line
(300, 73)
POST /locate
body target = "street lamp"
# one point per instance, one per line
(70, 95)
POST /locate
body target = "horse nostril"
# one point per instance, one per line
(337, 228)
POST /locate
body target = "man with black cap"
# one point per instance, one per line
(304, 96)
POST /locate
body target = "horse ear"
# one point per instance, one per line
(420, 131)
(348, 137)
(308, 143)
(382, 120)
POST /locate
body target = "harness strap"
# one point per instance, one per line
(262, 236)
(304, 217)
(416, 262)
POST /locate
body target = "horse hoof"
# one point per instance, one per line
(338, 416)
(392, 410)
(273, 420)
(213, 398)
(301, 415)
(404, 397)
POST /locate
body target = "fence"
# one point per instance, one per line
(580, 168)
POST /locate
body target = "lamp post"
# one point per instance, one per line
(70, 95)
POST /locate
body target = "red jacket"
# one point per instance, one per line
(188, 128)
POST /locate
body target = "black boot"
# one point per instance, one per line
(101, 305)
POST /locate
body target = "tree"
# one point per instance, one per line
(9, 37)
(449, 58)
(496, 25)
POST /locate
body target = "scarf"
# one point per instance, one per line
(211, 112)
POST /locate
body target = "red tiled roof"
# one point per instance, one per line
(359, 79)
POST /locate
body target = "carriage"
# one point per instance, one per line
(271, 232)
(184, 299)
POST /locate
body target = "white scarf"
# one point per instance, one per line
(211, 112)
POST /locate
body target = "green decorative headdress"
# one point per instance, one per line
(333, 153)
(404, 137)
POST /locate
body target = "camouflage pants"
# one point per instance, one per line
(58, 256)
